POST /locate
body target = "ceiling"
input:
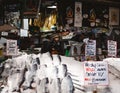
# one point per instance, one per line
(49, 1)
(109, 1)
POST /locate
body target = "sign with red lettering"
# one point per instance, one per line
(95, 73)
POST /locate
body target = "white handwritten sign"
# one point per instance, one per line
(96, 73)
(90, 48)
(11, 47)
(112, 48)
(23, 33)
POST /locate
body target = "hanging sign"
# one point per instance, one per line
(112, 48)
(11, 47)
(96, 73)
(78, 14)
(23, 32)
(90, 48)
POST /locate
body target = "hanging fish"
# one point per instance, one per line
(42, 87)
(38, 61)
(29, 91)
(5, 89)
(15, 80)
(62, 71)
(41, 73)
(56, 60)
(53, 80)
(56, 83)
(29, 76)
(46, 59)
(1, 68)
(67, 85)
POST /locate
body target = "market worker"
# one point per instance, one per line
(57, 46)
(46, 45)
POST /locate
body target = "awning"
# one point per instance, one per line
(7, 27)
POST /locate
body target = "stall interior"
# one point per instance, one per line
(100, 23)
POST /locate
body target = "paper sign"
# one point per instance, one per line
(90, 48)
(95, 73)
(4, 33)
(23, 33)
(25, 24)
(11, 47)
(112, 48)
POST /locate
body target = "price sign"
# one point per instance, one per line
(96, 73)
(112, 48)
(11, 47)
(90, 48)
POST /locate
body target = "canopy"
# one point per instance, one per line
(7, 27)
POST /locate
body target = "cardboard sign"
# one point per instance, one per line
(95, 73)
(112, 48)
(11, 47)
(90, 48)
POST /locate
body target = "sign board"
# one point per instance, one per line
(112, 48)
(4, 33)
(90, 48)
(25, 24)
(11, 47)
(95, 73)
(23, 32)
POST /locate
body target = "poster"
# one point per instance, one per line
(96, 73)
(112, 48)
(113, 16)
(69, 16)
(11, 47)
(78, 14)
(75, 49)
(90, 48)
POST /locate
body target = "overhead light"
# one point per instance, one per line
(39, 13)
(53, 6)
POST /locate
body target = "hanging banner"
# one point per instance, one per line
(78, 14)
(112, 48)
(11, 47)
(96, 73)
(69, 17)
(90, 48)
(113, 16)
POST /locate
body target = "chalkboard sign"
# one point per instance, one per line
(96, 73)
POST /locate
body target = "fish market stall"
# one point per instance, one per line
(46, 73)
